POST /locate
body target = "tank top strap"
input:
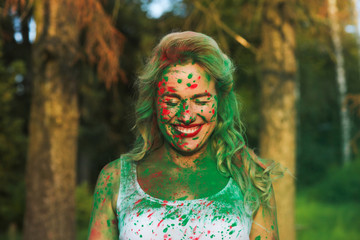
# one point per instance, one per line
(127, 179)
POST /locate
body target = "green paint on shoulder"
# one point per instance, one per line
(258, 238)
(179, 80)
(190, 76)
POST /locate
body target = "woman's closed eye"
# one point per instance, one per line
(201, 102)
(171, 102)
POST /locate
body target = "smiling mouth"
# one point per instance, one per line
(187, 131)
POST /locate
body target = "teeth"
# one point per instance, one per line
(187, 130)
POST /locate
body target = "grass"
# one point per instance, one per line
(316, 220)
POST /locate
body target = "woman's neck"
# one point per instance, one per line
(183, 160)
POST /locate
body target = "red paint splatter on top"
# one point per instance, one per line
(187, 111)
(160, 222)
(193, 86)
(149, 216)
(138, 201)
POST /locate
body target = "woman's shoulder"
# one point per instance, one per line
(112, 168)
(109, 180)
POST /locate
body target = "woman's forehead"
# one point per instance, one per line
(187, 77)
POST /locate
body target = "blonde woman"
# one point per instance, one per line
(189, 175)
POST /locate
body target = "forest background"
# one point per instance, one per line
(120, 35)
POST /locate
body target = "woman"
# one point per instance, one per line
(190, 175)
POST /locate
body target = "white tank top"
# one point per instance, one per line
(141, 216)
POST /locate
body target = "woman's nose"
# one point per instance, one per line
(186, 113)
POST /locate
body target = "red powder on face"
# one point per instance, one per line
(161, 91)
(213, 111)
(165, 111)
(193, 86)
(199, 77)
(171, 89)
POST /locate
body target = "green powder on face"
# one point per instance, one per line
(188, 84)
(195, 138)
(258, 238)
(190, 76)
(179, 80)
(208, 77)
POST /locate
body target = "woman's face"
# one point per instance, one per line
(186, 107)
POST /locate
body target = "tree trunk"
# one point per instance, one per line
(50, 170)
(341, 80)
(278, 134)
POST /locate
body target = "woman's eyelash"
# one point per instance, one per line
(171, 103)
(201, 102)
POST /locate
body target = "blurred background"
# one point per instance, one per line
(67, 72)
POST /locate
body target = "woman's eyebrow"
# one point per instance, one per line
(199, 95)
(171, 95)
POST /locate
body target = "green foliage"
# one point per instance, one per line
(340, 186)
(83, 209)
(12, 146)
(330, 209)
(317, 220)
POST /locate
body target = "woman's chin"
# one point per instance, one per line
(188, 149)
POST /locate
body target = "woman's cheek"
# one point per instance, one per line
(208, 113)
(165, 112)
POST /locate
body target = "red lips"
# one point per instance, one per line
(187, 135)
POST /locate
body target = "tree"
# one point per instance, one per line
(340, 79)
(54, 117)
(50, 170)
(278, 134)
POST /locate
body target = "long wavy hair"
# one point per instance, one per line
(227, 141)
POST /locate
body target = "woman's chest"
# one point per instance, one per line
(179, 184)
(198, 219)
